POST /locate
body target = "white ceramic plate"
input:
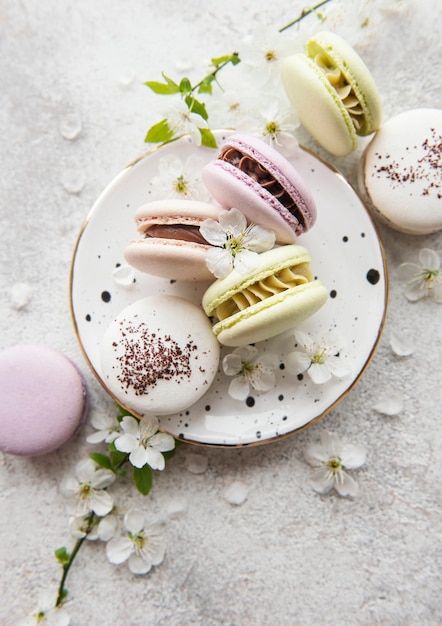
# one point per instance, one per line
(347, 257)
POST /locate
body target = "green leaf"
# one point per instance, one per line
(167, 88)
(62, 555)
(123, 412)
(185, 85)
(206, 84)
(208, 138)
(116, 458)
(143, 479)
(101, 459)
(227, 58)
(159, 132)
(195, 106)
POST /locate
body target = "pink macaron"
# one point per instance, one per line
(170, 243)
(43, 400)
(253, 177)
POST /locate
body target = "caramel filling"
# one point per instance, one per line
(181, 232)
(261, 175)
(270, 286)
(345, 92)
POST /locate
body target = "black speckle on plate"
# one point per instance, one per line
(373, 276)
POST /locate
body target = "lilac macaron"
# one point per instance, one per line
(43, 399)
(253, 177)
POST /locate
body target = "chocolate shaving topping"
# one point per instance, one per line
(146, 357)
(258, 173)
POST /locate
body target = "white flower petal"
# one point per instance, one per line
(119, 549)
(239, 388)
(232, 364)
(213, 232)
(85, 470)
(134, 521)
(429, 259)
(259, 239)
(413, 291)
(130, 426)
(138, 565)
(297, 362)
(101, 503)
(219, 262)
(315, 455)
(390, 404)
(233, 221)
(319, 373)
(126, 443)
(107, 527)
(245, 261)
(331, 444)
(337, 367)
(408, 270)
(155, 459)
(401, 345)
(138, 457)
(162, 442)
(102, 478)
(346, 486)
(97, 437)
(323, 485)
(353, 456)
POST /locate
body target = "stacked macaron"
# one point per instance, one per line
(274, 295)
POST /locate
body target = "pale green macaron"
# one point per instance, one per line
(277, 295)
(333, 93)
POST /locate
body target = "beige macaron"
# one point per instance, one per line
(171, 245)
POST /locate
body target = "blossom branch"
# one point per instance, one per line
(303, 14)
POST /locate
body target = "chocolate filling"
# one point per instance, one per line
(257, 172)
(181, 232)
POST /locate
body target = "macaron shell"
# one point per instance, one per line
(169, 258)
(43, 400)
(272, 316)
(159, 355)
(191, 211)
(318, 106)
(356, 73)
(400, 172)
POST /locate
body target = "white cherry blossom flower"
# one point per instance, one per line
(142, 545)
(320, 359)
(250, 370)
(423, 279)
(86, 492)
(275, 125)
(331, 458)
(179, 179)
(263, 52)
(182, 121)
(235, 245)
(144, 443)
(47, 614)
(107, 427)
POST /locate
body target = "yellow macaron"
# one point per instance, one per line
(276, 295)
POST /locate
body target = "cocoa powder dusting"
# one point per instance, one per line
(426, 169)
(148, 357)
